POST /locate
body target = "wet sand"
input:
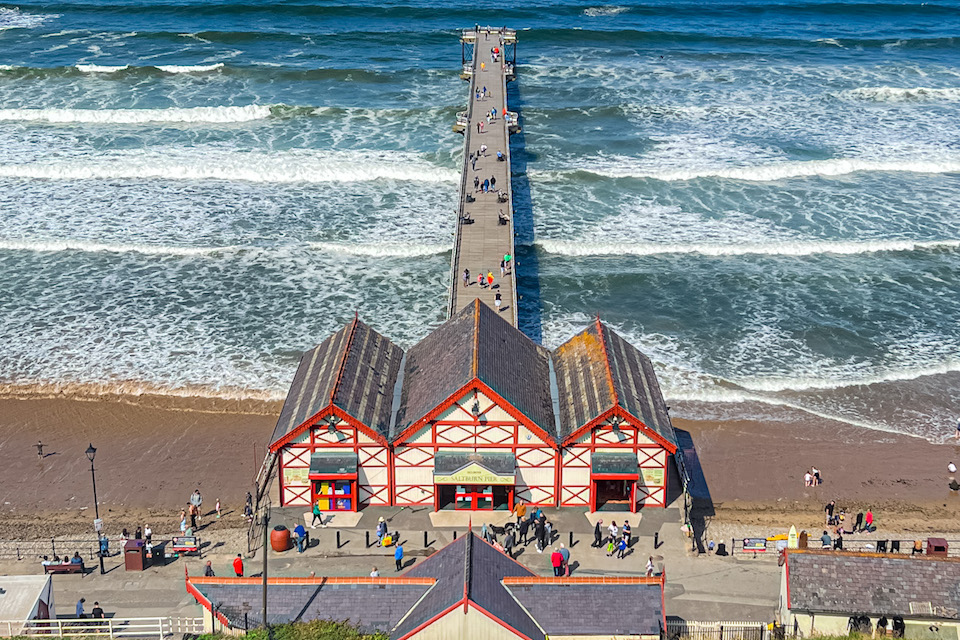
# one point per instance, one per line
(153, 451)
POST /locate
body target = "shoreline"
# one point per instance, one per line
(154, 450)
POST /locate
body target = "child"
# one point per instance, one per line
(610, 548)
(622, 548)
(217, 507)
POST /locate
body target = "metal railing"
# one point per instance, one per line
(877, 544)
(106, 627)
(36, 549)
(693, 630)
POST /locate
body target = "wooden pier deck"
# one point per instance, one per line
(481, 245)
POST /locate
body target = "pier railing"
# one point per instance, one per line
(103, 627)
(901, 545)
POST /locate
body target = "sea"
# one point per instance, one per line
(763, 196)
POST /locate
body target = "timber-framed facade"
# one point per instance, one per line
(476, 416)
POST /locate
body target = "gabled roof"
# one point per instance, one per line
(476, 343)
(551, 600)
(373, 604)
(354, 370)
(873, 583)
(598, 371)
(469, 569)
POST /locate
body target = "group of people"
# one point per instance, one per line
(75, 559)
(616, 540)
(96, 613)
(812, 478)
(837, 521)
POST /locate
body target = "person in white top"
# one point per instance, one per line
(807, 479)
(613, 530)
(650, 566)
(374, 573)
(952, 468)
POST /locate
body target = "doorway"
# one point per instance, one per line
(613, 495)
(474, 497)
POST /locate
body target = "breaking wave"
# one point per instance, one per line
(898, 94)
(596, 12)
(166, 68)
(200, 163)
(15, 19)
(83, 245)
(382, 250)
(101, 68)
(771, 172)
(137, 116)
(797, 248)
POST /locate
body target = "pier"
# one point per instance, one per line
(485, 226)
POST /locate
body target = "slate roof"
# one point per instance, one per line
(479, 579)
(355, 369)
(477, 343)
(372, 607)
(551, 605)
(847, 583)
(597, 370)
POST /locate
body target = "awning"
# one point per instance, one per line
(469, 467)
(622, 465)
(333, 463)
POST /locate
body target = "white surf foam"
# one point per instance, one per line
(197, 68)
(384, 250)
(595, 12)
(212, 163)
(776, 171)
(101, 68)
(774, 385)
(44, 246)
(788, 248)
(902, 94)
(137, 116)
(16, 19)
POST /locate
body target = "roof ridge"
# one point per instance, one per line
(475, 365)
(467, 573)
(606, 360)
(343, 358)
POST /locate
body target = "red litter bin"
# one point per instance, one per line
(937, 547)
(280, 538)
(135, 555)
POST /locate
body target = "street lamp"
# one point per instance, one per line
(91, 454)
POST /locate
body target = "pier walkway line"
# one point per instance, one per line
(485, 220)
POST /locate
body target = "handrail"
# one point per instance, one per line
(159, 627)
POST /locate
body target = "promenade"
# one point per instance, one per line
(485, 219)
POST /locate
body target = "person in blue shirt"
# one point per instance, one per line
(398, 556)
(301, 534)
(80, 607)
(76, 559)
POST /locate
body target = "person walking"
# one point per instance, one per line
(627, 533)
(479, 125)
(148, 533)
(828, 511)
(39, 446)
(597, 535)
(398, 556)
(524, 529)
(208, 571)
(480, 279)
(493, 182)
(381, 531)
(503, 265)
(466, 277)
(497, 301)
(490, 278)
(622, 548)
(540, 535)
(238, 565)
(486, 185)
(650, 567)
(868, 519)
(476, 183)
(520, 510)
(566, 559)
(97, 612)
(194, 510)
(506, 259)
(557, 561)
(79, 611)
(508, 543)
(613, 530)
(248, 508)
(216, 508)
(197, 500)
(317, 515)
(548, 531)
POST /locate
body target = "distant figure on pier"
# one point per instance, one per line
(497, 301)
(500, 156)
(483, 150)
(493, 182)
(486, 185)
(466, 277)
(502, 219)
(480, 280)
(476, 183)
(490, 278)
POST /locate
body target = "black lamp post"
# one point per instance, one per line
(91, 454)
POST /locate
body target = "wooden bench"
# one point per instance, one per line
(73, 567)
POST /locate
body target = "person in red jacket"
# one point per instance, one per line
(556, 559)
(238, 565)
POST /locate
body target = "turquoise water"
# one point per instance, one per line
(763, 196)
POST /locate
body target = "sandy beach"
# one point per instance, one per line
(152, 451)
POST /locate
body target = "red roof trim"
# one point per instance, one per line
(431, 620)
(631, 419)
(501, 622)
(515, 413)
(436, 411)
(315, 419)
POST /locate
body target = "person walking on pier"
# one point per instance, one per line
(486, 186)
(480, 279)
(497, 301)
(503, 265)
(489, 278)
(493, 182)
(476, 181)
(466, 277)
(479, 124)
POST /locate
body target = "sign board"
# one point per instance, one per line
(793, 540)
(652, 477)
(299, 476)
(755, 545)
(98, 525)
(474, 474)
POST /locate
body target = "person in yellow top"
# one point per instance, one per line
(520, 510)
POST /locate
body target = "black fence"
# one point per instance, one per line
(758, 547)
(88, 548)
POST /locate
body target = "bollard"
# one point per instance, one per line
(571, 539)
(454, 534)
(338, 539)
(53, 546)
(656, 540)
(368, 538)
(425, 544)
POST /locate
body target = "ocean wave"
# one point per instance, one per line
(137, 116)
(384, 250)
(786, 248)
(901, 94)
(43, 246)
(766, 173)
(201, 163)
(133, 388)
(199, 68)
(798, 384)
(101, 68)
(13, 18)
(596, 12)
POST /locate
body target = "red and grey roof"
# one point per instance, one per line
(598, 371)
(354, 370)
